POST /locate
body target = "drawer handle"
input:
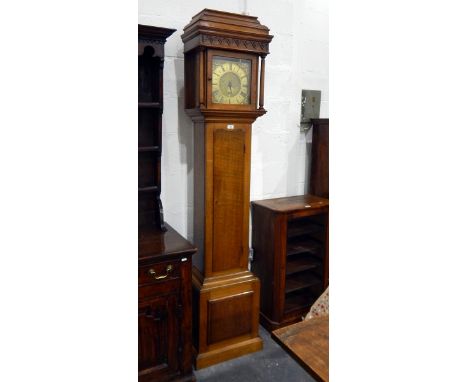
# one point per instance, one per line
(153, 273)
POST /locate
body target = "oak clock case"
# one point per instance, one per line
(223, 54)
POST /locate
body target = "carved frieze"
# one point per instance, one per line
(234, 43)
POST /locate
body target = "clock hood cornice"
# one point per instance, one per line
(223, 30)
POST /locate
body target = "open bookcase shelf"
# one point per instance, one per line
(149, 105)
(302, 262)
(303, 244)
(290, 242)
(298, 282)
(150, 149)
(150, 95)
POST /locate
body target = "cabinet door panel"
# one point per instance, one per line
(158, 338)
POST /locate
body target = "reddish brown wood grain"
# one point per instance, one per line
(290, 243)
(319, 158)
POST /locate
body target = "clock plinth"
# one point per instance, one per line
(227, 316)
(222, 54)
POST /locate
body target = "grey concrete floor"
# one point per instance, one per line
(272, 364)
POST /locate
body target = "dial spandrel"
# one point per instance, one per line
(231, 80)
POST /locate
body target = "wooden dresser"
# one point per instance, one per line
(164, 256)
(290, 243)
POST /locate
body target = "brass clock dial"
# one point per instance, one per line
(231, 81)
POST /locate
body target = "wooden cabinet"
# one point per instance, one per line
(164, 306)
(290, 243)
(164, 256)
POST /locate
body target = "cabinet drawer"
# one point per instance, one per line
(157, 273)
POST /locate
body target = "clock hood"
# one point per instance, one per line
(224, 30)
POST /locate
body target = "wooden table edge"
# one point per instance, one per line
(295, 356)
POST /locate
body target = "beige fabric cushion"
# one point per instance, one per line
(320, 307)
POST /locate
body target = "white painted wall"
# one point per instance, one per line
(298, 60)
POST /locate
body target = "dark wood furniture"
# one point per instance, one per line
(164, 256)
(307, 343)
(290, 243)
(223, 54)
(318, 181)
(151, 42)
(164, 306)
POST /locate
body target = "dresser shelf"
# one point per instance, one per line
(150, 105)
(148, 189)
(164, 256)
(149, 149)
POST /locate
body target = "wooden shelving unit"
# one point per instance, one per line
(150, 108)
(290, 242)
(164, 256)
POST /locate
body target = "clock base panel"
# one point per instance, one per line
(227, 317)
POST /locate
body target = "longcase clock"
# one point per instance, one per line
(224, 81)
